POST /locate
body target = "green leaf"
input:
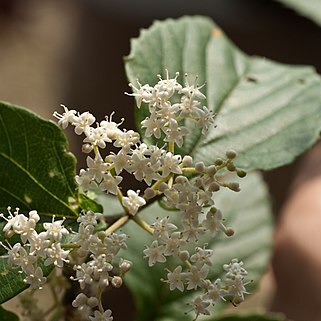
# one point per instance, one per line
(6, 315)
(252, 317)
(268, 112)
(12, 281)
(36, 172)
(248, 212)
(310, 9)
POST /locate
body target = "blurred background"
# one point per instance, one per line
(71, 52)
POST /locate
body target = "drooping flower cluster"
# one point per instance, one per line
(34, 246)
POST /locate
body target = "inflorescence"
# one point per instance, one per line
(183, 184)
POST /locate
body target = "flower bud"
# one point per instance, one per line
(219, 161)
(200, 167)
(92, 302)
(187, 161)
(162, 187)
(240, 173)
(229, 231)
(87, 148)
(184, 255)
(211, 170)
(149, 193)
(117, 281)
(214, 187)
(125, 265)
(231, 154)
(231, 167)
(234, 187)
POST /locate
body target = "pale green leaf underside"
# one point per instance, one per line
(36, 171)
(310, 9)
(248, 212)
(268, 112)
(6, 315)
(252, 317)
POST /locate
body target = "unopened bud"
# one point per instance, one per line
(125, 265)
(231, 154)
(184, 255)
(234, 187)
(87, 148)
(229, 231)
(149, 193)
(117, 281)
(92, 302)
(231, 167)
(240, 173)
(200, 167)
(187, 161)
(213, 210)
(211, 170)
(214, 187)
(219, 161)
(162, 187)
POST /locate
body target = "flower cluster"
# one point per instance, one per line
(180, 184)
(34, 246)
(165, 116)
(99, 271)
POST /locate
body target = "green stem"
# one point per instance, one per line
(143, 224)
(118, 224)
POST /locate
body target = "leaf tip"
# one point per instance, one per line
(216, 32)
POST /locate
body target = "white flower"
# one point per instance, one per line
(111, 127)
(175, 133)
(69, 116)
(234, 269)
(153, 126)
(110, 183)
(142, 94)
(85, 179)
(83, 122)
(163, 228)
(126, 139)
(120, 161)
(19, 256)
(97, 136)
(133, 201)
(38, 243)
(214, 221)
(98, 316)
(202, 256)
(173, 244)
(56, 255)
(175, 279)
(154, 253)
(88, 218)
(196, 277)
(171, 163)
(35, 279)
(214, 292)
(96, 167)
(200, 306)
(55, 229)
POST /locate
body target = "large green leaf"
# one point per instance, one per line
(36, 170)
(310, 9)
(12, 281)
(267, 111)
(247, 211)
